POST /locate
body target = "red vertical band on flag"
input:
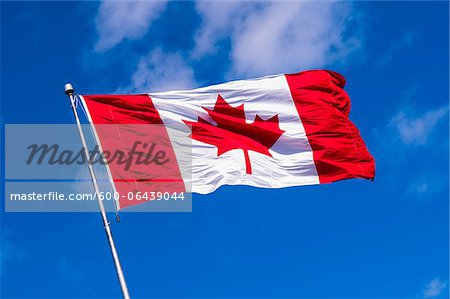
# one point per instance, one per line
(140, 153)
(323, 106)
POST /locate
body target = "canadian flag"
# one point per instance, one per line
(270, 132)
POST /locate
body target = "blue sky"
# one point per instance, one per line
(385, 239)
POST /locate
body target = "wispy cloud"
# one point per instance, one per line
(261, 38)
(70, 271)
(415, 129)
(161, 71)
(120, 20)
(9, 251)
(426, 184)
(272, 37)
(403, 42)
(434, 288)
(219, 19)
(410, 133)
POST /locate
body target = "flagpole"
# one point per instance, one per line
(123, 285)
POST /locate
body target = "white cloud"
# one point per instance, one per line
(273, 37)
(434, 288)
(408, 134)
(415, 130)
(9, 252)
(120, 20)
(265, 38)
(403, 42)
(218, 19)
(70, 271)
(426, 184)
(161, 71)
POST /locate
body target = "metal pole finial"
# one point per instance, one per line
(68, 89)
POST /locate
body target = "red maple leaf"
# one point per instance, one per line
(232, 132)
